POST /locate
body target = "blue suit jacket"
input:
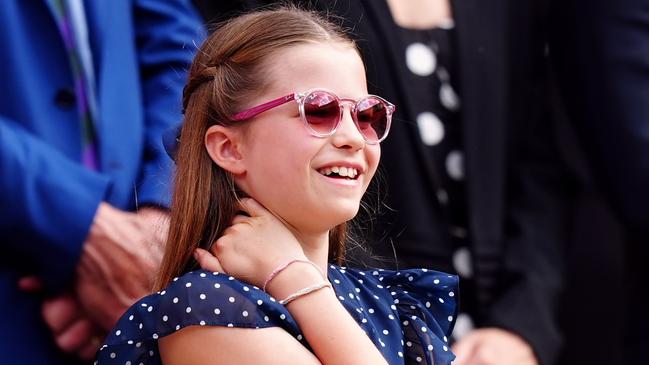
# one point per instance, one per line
(141, 51)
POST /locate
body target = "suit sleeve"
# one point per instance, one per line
(47, 204)
(540, 188)
(167, 33)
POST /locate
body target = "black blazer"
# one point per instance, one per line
(601, 52)
(517, 202)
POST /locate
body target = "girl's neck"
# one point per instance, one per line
(316, 248)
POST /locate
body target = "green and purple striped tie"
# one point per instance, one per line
(71, 21)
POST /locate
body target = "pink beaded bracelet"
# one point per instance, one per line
(283, 266)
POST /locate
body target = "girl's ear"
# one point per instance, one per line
(223, 146)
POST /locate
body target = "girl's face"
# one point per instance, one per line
(285, 165)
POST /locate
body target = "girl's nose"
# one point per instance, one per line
(347, 134)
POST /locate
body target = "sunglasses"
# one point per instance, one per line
(321, 111)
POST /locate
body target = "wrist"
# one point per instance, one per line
(305, 291)
(294, 277)
(283, 266)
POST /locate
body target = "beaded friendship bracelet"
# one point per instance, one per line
(283, 266)
(304, 291)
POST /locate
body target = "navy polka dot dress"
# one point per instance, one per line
(408, 314)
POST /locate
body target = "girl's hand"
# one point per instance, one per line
(252, 247)
(207, 261)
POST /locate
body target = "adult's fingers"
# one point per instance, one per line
(464, 350)
(60, 312)
(207, 261)
(75, 337)
(88, 352)
(30, 284)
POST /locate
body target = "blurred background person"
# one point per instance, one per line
(87, 90)
(601, 52)
(473, 174)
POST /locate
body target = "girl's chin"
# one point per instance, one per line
(343, 218)
(325, 223)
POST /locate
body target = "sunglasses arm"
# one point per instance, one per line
(252, 112)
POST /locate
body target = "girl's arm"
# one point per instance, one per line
(252, 248)
(333, 334)
(212, 345)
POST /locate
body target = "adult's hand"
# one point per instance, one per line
(73, 332)
(119, 260)
(155, 223)
(493, 346)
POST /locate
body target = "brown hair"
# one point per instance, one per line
(227, 71)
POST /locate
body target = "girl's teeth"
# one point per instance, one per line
(341, 171)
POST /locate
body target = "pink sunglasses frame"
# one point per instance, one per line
(300, 99)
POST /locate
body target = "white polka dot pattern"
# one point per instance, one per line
(462, 262)
(455, 165)
(431, 129)
(448, 97)
(420, 59)
(407, 314)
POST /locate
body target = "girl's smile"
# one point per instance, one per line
(314, 183)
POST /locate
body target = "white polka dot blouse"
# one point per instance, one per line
(408, 314)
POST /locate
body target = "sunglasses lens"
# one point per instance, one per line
(321, 111)
(372, 118)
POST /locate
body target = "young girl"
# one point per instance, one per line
(279, 143)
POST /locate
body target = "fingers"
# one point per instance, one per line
(252, 207)
(71, 331)
(60, 312)
(464, 350)
(75, 337)
(491, 346)
(118, 256)
(30, 284)
(239, 219)
(207, 261)
(88, 352)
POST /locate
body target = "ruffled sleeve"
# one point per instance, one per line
(426, 302)
(198, 298)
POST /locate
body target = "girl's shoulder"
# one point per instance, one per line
(198, 298)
